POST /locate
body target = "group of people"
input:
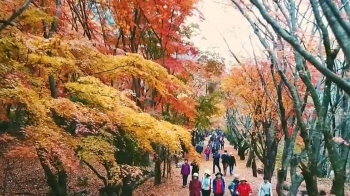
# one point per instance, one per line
(217, 186)
(227, 160)
(207, 185)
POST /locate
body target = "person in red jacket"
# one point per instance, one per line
(244, 188)
(195, 186)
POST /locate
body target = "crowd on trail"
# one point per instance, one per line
(237, 187)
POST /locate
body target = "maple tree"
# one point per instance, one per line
(70, 96)
(313, 73)
(206, 76)
(252, 91)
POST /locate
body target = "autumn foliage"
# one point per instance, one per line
(77, 87)
(252, 90)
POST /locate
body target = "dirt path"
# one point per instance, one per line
(173, 186)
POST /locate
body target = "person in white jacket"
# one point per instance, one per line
(265, 188)
(206, 183)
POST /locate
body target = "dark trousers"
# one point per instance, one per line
(225, 165)
(184, 180)
(220, 194)
(231, 169)
(205, 192)
(217, 165)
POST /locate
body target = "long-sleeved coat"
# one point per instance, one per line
(185, 169)
(195, 188)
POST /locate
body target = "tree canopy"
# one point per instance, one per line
(98, 83)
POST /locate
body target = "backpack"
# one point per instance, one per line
(207, 150)
(233, 186)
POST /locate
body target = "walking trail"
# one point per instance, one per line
(173, 185)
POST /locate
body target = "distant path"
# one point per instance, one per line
(173, 185)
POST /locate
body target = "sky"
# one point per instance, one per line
(223, 20)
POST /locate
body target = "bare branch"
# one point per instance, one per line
(343, 84)
(17, 13)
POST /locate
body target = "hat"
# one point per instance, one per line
(206, 172)
(219, 173)
(243, 179)
(236, 176)
(195, 174)
(230, 153)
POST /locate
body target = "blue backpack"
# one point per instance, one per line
(233, 188)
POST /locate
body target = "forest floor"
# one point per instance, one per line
(173, 185)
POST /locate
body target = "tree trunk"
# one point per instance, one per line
(338, 184)
(52, 87)
(270, 160)
(164, 168)
(250, 158)
(108, 191)
(157, 167)
(168, 167)
(254, 169)
(157, 172)
(55, 183)
(311, 182)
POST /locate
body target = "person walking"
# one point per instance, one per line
(233, 186)
(199, 149)
(231, 163)
(216, 161)
(213, 148)
(222, 142)
(195, 186)
(207, 152)
(244, 188)
(219, 185)
(195, 167)
(185, 171)
(206, 183)
(224, 161)
(265, 188)
(216, 145)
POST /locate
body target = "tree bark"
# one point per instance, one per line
(254, 168)
(311, 182)
(250, 158)
(157, 168)
(52, 87)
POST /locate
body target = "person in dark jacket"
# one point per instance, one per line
(199, 149)
(213, 148)
(222, 143)
(231, 163)
(232, 187)
(216, 161)
(185, 171)
(224, 161)
(195, 167)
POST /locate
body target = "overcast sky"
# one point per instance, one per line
(222, 18)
